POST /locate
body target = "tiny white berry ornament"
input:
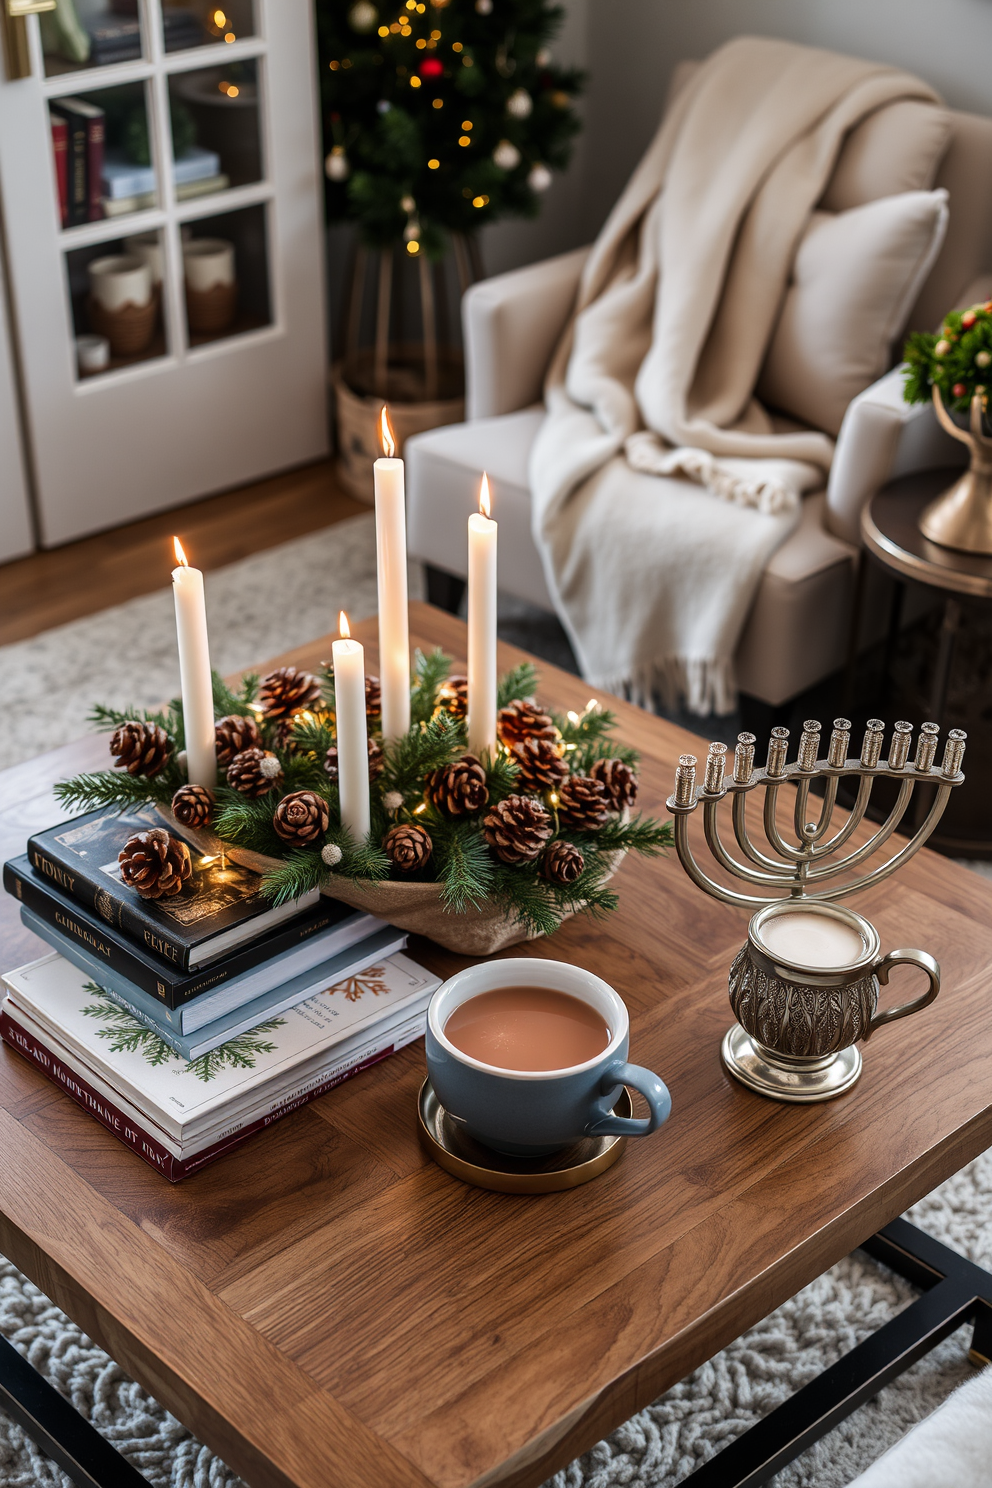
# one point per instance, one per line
(330, 855)
(520, 105)
(539, 177)
(506, 155)
(337, 167)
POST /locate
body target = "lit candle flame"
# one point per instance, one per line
(386, 435)
(344, 629)
(485, 506)
(180, 555)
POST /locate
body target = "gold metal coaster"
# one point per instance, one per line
(453, 1149)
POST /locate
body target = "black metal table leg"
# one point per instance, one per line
(955, 1291)
(58, 1428)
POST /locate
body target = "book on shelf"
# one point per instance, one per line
(121, 177)
(219, 908)
(86, 125)
(207, 1034)
(186, 192)
(189, 999)
(113, 39)
(178, 1115)
(60, 153)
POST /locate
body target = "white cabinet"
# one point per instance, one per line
(16, 537)
(208, 116)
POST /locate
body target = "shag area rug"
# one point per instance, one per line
(259, 607)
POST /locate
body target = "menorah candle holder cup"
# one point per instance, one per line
(804, 988)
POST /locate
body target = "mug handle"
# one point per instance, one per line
(602, 1121)
(926, 963)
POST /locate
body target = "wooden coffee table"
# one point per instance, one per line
(326, 1307)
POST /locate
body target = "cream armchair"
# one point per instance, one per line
(796, 633)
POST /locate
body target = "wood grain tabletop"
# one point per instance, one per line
(325, 1306)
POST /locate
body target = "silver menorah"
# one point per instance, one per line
(805, 990)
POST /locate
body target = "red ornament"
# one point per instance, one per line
(968, 319)
(959, 390)
(431, 67)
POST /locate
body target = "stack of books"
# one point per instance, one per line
(185, 1024)
(131, 188)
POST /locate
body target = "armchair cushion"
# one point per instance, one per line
(854, 281)
(898, 148)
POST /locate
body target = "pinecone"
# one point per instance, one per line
(620, 782)
(562, 863)
(517, 829)
(377, 760)
(155, 864)
(140, 748)
(583, 803)
(232, 733)
(286, 690)
(254, 772)
(459, 788)
(453, 696)
(373, 697)
(193, 805)
(301, 817)
(523, 719)
(408, 846)
(283, 738)
(539, 763)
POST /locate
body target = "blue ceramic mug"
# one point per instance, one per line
(534, 1112)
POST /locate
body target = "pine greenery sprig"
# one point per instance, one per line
(411, 758)
(114, 790)
(430, 674)
(519, 682)
(957, 359)
(462, 861)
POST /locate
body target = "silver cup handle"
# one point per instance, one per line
(882, 968)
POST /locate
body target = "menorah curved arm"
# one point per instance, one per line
(701, 879)
(778, 879)
(875, 841)
(784, 849)
(826, 811)
(846, 832)
(745, 844)
(877, 875)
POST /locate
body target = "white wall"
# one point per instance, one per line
(634, 44)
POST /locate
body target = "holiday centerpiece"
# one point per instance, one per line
(439, 118)
(476, 851)
(951, 369)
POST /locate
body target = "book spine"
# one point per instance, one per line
(95, 129)
(60, 150)
(103, 947)
(127, 917)
(133, 1134)
(78, 194)
(171, 1036)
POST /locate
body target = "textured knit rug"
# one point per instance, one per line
(249, 618)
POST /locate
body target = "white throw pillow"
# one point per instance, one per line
(855, 279)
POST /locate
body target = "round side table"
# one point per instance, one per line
(892, 537)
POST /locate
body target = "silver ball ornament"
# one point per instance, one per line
(543, 58)
(362, 16)
(539, 178)
(506, 155)
(520, 105)
(484, 7)
(336, 164)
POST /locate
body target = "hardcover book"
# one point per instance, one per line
(228, 1024)
(189, 999)
(219, 908)
(77, 183)
(60, 151)
(185, 1113)
(123, 178)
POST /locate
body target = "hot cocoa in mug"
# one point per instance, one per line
(531, 1056)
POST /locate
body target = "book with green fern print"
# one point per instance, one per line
(192, 1100)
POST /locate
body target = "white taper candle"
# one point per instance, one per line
(194, 672)
(348, 658)
(482, 533)
(394, 625)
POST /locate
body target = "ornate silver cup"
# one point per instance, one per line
(798, 1023)
(804, 988)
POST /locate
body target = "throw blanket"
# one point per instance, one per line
(653, 578)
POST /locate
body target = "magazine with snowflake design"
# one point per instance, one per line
(182, 1096)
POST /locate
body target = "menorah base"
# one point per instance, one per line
(800, 1081)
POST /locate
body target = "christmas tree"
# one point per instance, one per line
(441, 116)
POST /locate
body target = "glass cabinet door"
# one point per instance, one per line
(161, 185)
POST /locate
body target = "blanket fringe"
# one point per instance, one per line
(702, 684)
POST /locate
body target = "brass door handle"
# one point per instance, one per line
(16, 8)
